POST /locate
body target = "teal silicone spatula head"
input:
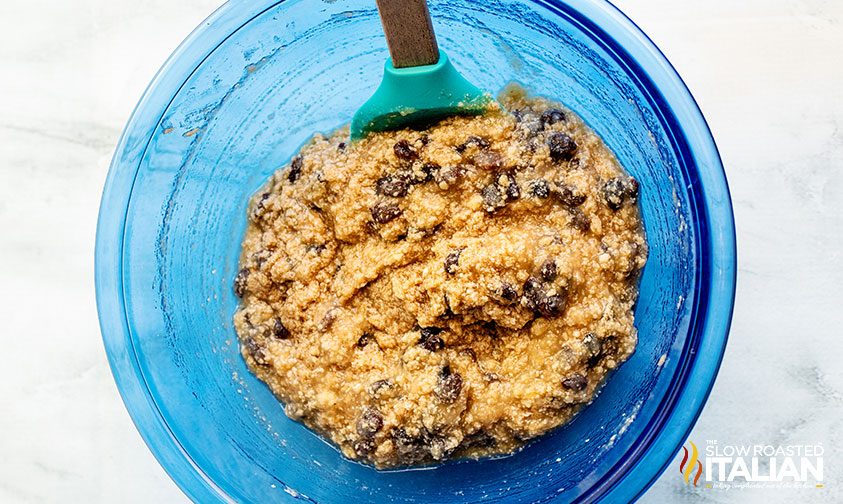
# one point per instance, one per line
(420, 85)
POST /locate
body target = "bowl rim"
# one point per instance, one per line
(636, 473)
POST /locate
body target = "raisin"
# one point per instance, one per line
(528, 122)
(370, 422)
(380, 385)
(594, 348)
(452, 261)
(430, 340)
(295, 169)
(580, 221)
(575, 382)
(614, 192)
(240, 282)
(513, 192)
(363, 447)
(632, 188)
(550, 306)
(539, 188)
(447, 176)
(477, 141)
(393, 186)
(449, 385)
(256, 351)
(279, 331)
(552, 116)
(508, 292)
(384, 212)
(410, 449)
(479, 439)
(487, 160)
(365, 339)
(549, 270)
(568, 196)
(492, 198)
(428, 169)
(341, 146)
(448, 311)
(562, 147)
(316, 248)
(533, 293)
(404, 151)
(470, 353)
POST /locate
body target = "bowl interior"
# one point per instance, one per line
(304, 66)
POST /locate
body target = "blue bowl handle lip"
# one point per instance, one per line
(639, 472)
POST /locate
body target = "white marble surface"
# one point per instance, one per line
(767, 74)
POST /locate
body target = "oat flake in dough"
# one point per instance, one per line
(423, 295)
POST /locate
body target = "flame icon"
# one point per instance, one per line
(687, 466)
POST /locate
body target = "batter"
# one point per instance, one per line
(453, 292)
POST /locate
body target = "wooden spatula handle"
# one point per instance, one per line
(409, 32)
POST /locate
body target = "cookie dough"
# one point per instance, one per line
(453, 292)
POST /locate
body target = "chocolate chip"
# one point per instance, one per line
(575, 382)
(279, 331)
(614, 192)
(404, 151)
(568, 195)
(430, 340)
(580, 221)
(384, 212)
(341, 146)
(540, 188)
(240, 282)
(452, 261)
(552, 116)
(562, 147)
(448, 385)
(492, 198)
(295, 169)
(549, 270)
(424, 139)
(393, 186)
(487, 160)
(369, 423)
(365, 339)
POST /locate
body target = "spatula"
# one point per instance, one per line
(420, 85)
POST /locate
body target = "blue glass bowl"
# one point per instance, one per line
(237, 99)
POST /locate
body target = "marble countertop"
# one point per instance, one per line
(767, 75)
